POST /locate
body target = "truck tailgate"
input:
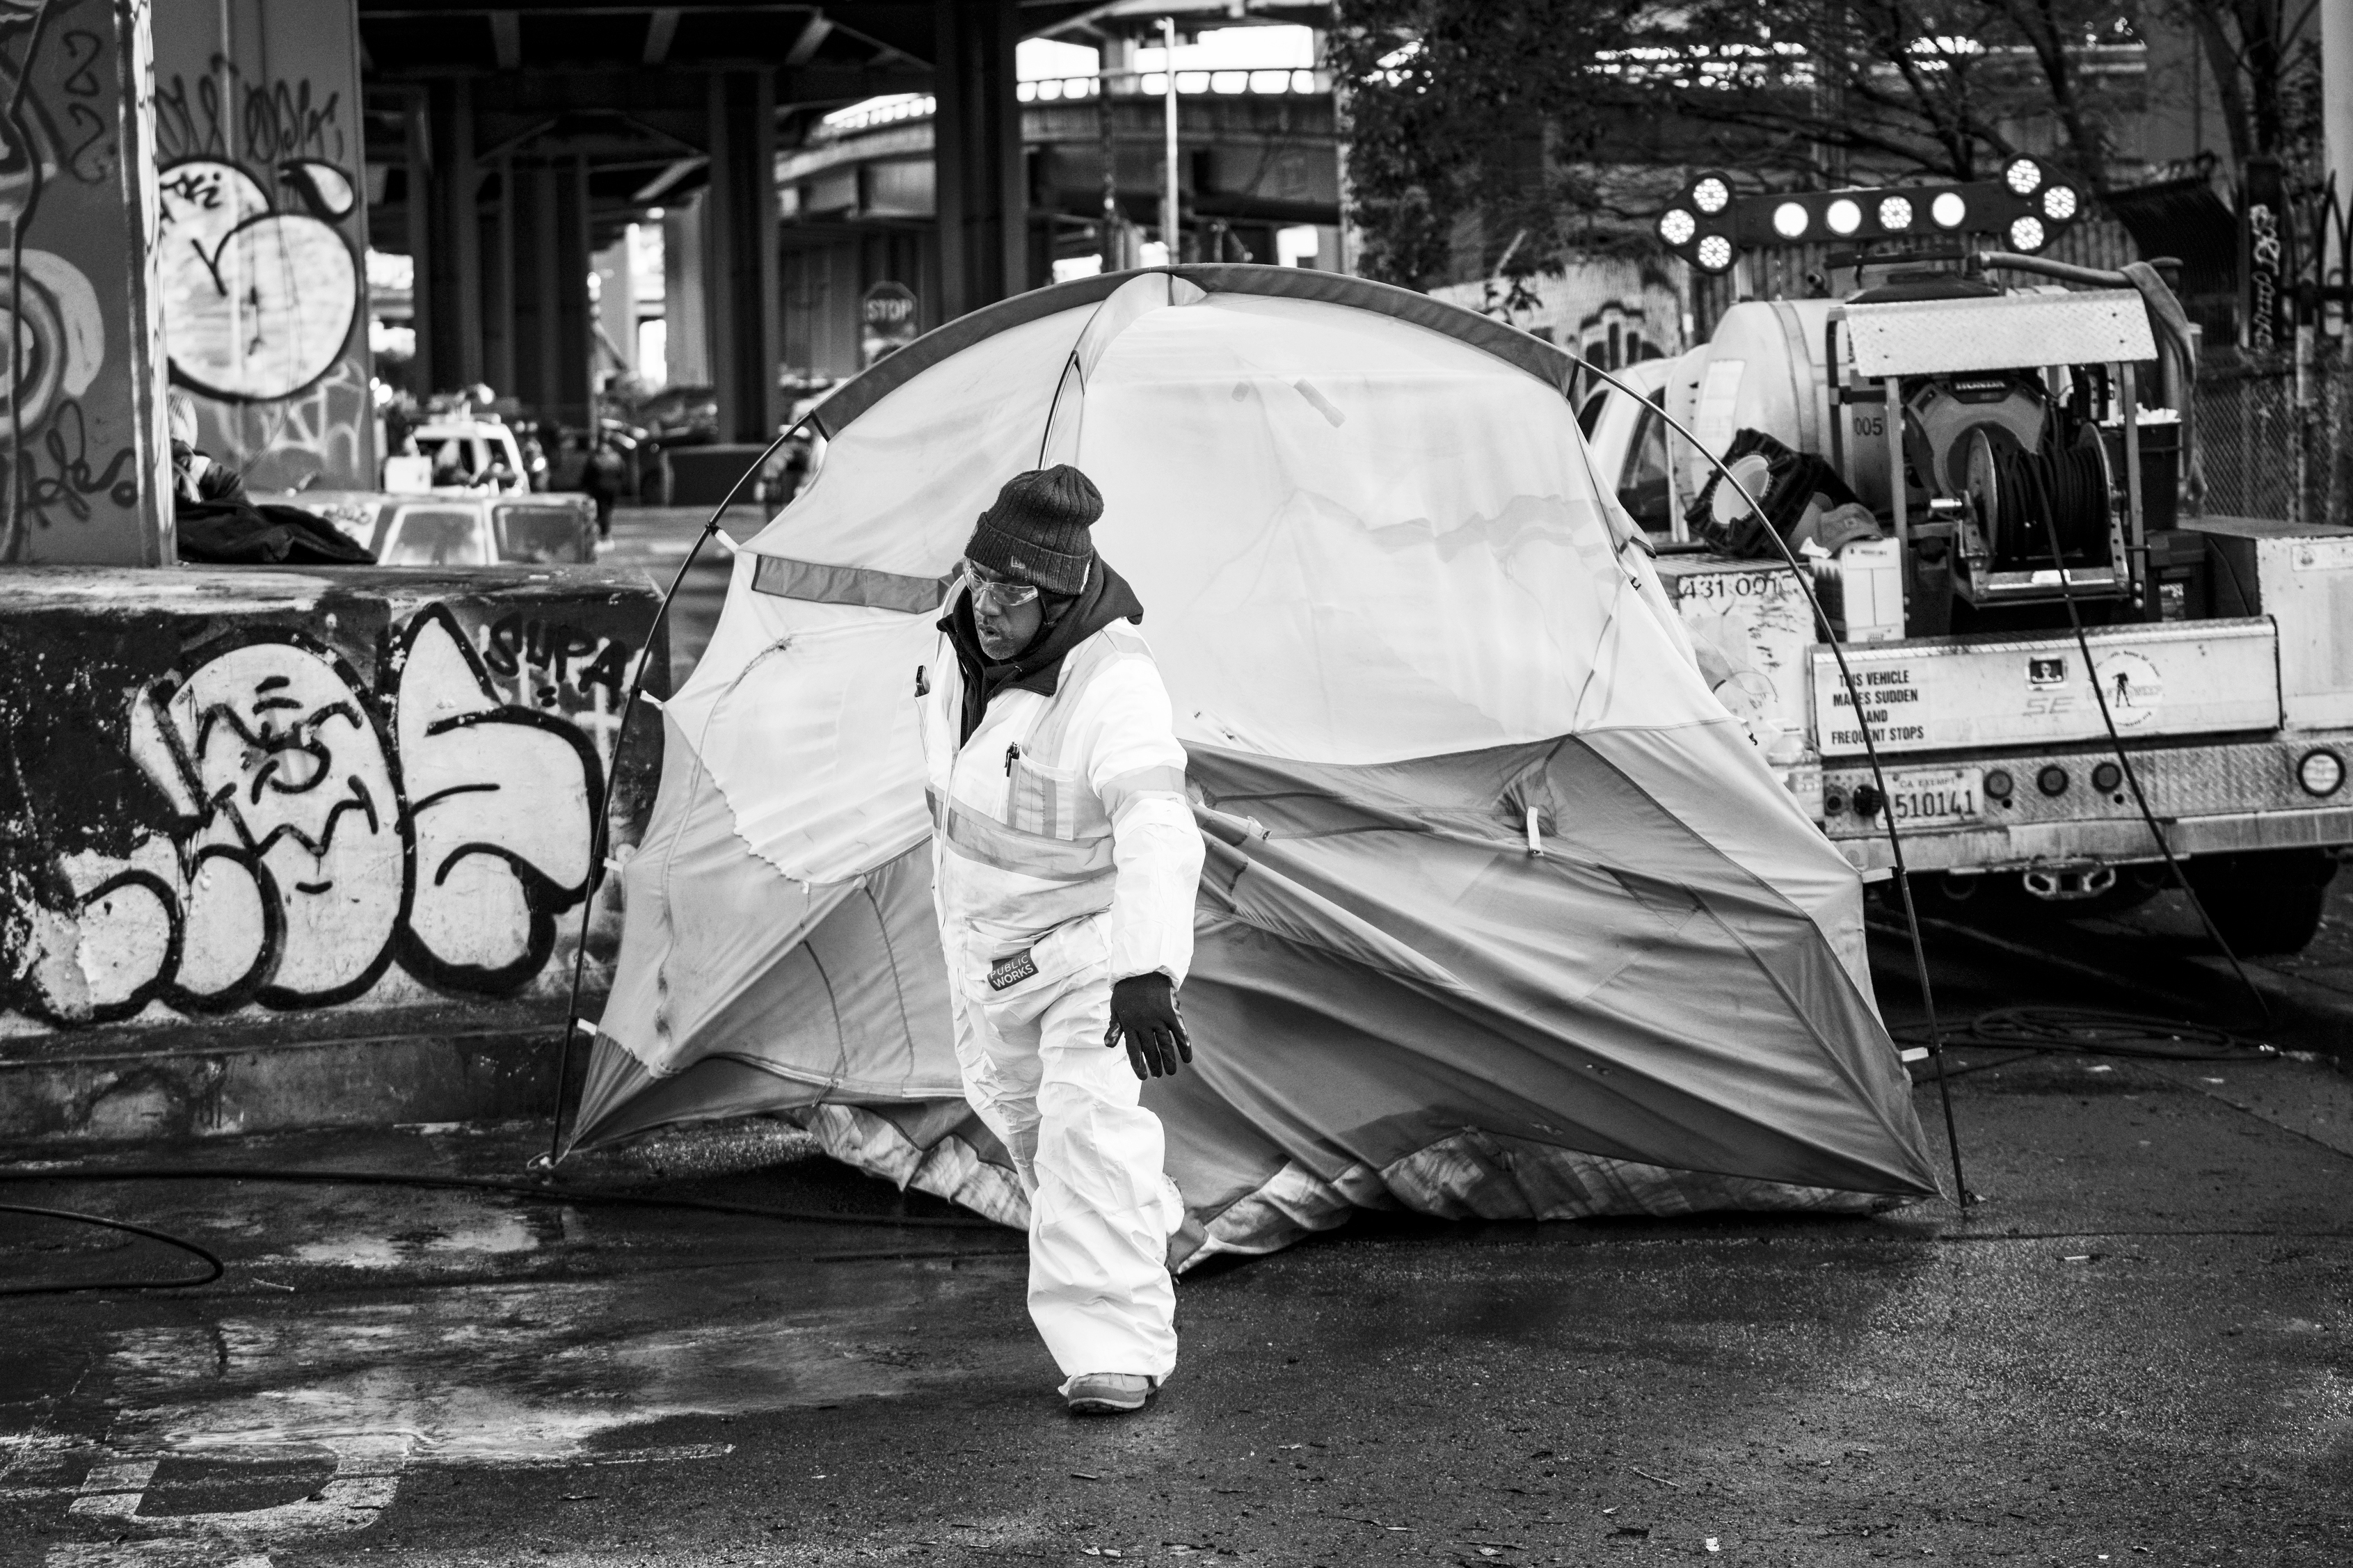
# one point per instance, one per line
(1934, 694)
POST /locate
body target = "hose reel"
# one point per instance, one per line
(2008, 491)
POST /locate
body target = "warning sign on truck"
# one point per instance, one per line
(2190, 677)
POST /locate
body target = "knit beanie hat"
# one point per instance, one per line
(1037, 531)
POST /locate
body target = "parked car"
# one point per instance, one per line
(459, 528)
(680, 416)
(463, 453)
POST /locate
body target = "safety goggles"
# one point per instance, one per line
(996, 595)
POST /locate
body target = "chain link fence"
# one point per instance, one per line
(2274, 437)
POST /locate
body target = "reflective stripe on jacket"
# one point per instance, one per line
(1061, 807)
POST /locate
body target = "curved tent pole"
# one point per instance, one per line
(599, 825)
(1094, 340)
(1069, 367)
(1871, 749)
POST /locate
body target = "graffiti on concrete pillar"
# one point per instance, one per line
(258, 302)
(64, 438)
(261, 280)
(323, 834)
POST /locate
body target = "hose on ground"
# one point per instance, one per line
(2088, 1031)
(211, 1262)
(544, 1192)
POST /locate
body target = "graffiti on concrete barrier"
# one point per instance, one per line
(262, 230)
(564, 669)
(321, 834)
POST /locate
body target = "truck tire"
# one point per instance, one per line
(2264, 900)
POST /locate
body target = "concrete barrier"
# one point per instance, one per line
(287, 849)
(701, 476)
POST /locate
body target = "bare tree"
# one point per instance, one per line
(2265, 59)
(1539, 116)
(1489, 109)
(1824, 90)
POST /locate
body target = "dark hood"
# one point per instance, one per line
(1039, 667)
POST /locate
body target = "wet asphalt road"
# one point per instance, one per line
(2137, 1349)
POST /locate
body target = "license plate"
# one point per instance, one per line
(1934, 799)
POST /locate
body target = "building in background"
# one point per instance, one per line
(1257, 172)
(703, 197)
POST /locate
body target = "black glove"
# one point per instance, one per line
(1143, 1009)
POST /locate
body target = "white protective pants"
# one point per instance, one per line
(1101, 1208)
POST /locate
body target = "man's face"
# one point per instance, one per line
(1005, 612)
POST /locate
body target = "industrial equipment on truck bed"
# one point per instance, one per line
(2021, 436)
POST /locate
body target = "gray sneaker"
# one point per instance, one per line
(1109, 1392)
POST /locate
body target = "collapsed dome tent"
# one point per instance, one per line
(1503, 915)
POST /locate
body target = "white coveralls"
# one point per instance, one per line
(1061, 830)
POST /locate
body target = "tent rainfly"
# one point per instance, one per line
(1502, 914)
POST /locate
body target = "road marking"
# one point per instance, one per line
(113, 1487)
(366, 1478)
(368, 1466)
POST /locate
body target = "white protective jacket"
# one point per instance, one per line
(1061, 807)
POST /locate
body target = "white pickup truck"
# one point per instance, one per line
(2223, 646)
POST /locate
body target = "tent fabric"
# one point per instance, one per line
(1503, 915)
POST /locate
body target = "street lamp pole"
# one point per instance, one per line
(1169, 236)
(1106, 65)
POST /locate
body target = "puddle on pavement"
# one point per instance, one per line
(497, 1235)
(429, 1245)
(541, 1372)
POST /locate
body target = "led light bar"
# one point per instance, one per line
(1710, 221)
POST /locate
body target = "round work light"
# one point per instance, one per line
(2321, 771)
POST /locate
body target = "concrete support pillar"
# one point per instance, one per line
(739, 262)
(617, 307)
(84, 470)
(548, 218)
(977, 149)
(687, 333)
(417, 212)
(263, 172)
(449, 272)
(498, 281)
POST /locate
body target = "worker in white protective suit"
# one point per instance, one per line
(1064, 864)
